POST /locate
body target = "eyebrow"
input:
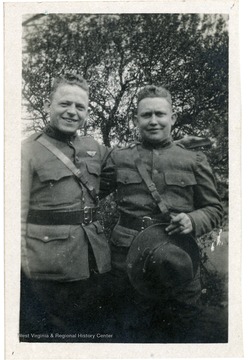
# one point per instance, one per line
(151, 111)
(70, 102)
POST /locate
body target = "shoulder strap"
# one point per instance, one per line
(148, 181)
(69, 164)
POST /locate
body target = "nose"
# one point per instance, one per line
(71, 110)
(153, 119)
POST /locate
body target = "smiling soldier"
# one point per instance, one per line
(166, 197)
(64, 251)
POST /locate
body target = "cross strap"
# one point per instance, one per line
(69, 164)
(148, 181)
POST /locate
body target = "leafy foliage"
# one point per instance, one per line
(120, 53)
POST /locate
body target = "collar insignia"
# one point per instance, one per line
(91, 153)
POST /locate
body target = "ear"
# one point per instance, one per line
(86, 120)
(173, 118)
(135, 120)
(47, 104)
(86, 117)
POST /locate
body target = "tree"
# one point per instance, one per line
(118, 54)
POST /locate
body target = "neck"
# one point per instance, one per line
(160, 144)
(58, 135)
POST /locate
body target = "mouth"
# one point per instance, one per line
(153, 130)
(69, 121)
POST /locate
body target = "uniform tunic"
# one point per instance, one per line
(183, 179)
(60, 252)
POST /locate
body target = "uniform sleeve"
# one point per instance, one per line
(209, 211)
(26, 183)
(108, 181)
(104, 151)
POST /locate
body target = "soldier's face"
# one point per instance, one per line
(68, 108)
(155, 119)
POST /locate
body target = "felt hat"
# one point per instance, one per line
(159, 265)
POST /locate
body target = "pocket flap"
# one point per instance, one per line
(48, 233)
(180, 178)
(93, 168)
(53, 170)
(128, 176)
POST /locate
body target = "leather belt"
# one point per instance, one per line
(140, 223)
(50, 217)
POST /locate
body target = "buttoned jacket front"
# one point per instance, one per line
(183, 178)
(60, 252)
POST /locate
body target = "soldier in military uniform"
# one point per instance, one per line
(184, 184)
(64, 253)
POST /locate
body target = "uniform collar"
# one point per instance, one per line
(58, 135)
(162, 144)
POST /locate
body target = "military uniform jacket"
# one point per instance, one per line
(183, 178)
(60, 252)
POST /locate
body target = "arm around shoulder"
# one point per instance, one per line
(108, 181)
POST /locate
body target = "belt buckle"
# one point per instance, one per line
(146, 221)
(87, 215)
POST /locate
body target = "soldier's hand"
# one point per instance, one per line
(180, 224)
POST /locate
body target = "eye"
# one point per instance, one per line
(146, 115)
(80, 107)
(64, 104)
(160, 114)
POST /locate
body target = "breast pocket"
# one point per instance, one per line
(180, 189)
(180, 178)
(128, 176)
(129, 183)
(53, 171)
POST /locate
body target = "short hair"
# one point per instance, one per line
(153, 91)
(71, 79)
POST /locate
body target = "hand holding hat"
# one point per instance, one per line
(180, 224)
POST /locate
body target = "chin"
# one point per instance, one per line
(154, 140)
(68, 131)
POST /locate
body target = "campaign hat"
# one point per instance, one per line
(160, 265)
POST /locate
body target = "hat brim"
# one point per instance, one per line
(144, 244)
